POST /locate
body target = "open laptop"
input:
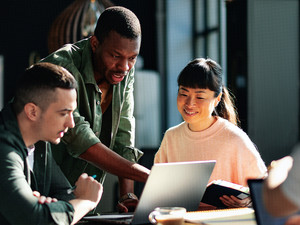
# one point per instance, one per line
(179, 184)
(261, 214)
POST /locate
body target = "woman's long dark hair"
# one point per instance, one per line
(206, 73)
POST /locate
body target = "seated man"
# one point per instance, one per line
(33, 188)
(281, 192)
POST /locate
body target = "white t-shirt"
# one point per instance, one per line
(30, 150)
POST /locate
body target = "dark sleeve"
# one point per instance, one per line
(60, 184)
(18, 205)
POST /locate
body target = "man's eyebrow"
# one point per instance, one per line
(116, 52)
(65, 110)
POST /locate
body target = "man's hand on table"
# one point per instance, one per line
(127, 203)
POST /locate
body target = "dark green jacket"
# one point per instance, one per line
(17, 181)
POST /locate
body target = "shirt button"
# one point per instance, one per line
(98, 102)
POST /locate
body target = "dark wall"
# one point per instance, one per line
(24, 29)
(145, 11)
(237, 56)
(25, 26)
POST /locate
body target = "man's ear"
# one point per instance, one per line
(32, 111)
(94, 43)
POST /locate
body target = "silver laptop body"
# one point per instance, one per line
(179, 184)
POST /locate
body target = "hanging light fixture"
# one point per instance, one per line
(77, 21)
(89, 18)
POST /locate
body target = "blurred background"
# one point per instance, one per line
(255, 41)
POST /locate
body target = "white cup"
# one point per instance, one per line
(167, 216)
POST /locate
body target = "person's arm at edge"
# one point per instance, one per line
(274, 199)
(276, 202)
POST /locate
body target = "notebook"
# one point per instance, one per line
(179, 184)
(261, 214)
(232, 216)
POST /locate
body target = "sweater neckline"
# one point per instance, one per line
(207, 133)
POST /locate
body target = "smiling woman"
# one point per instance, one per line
(196, 107)
(209, 130)
(204, 78)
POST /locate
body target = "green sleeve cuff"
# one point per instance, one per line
(131, 153)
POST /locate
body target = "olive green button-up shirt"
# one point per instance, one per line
(17, 181)
(77, 59)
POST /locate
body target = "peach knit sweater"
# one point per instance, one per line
(236, 156)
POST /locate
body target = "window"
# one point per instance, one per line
(193, 28)
(207, 29)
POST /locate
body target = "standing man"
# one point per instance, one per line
(33, 188)
(103, 66)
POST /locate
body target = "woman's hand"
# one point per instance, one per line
(234, 202)
(203, 206)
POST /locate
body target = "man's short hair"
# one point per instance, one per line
(119, 19)
(38, 85)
